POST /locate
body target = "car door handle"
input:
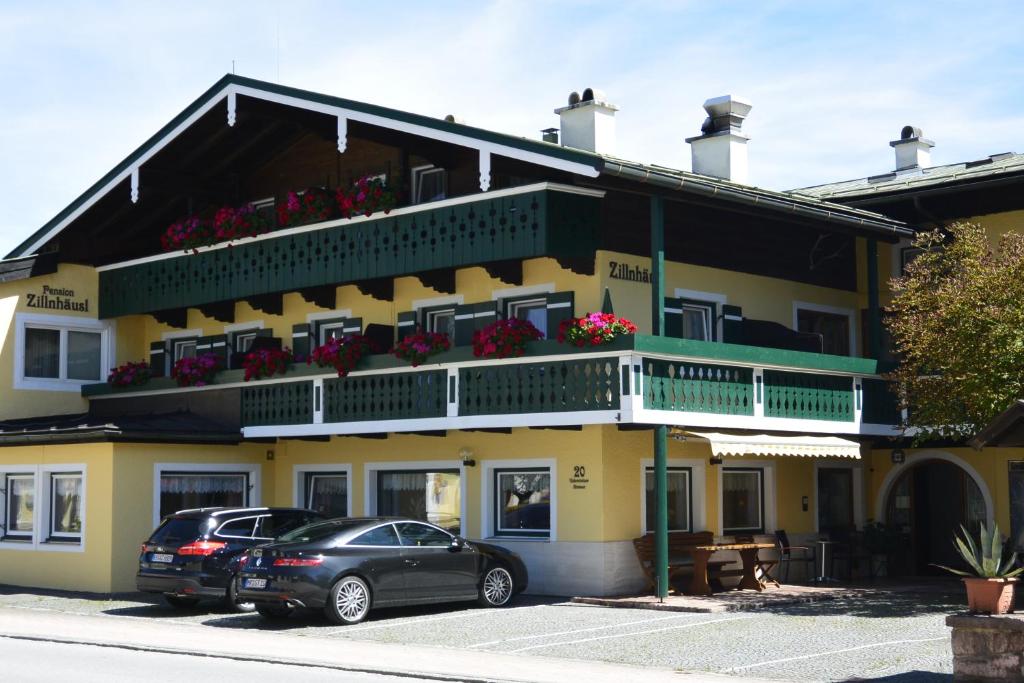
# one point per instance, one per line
(412, 563)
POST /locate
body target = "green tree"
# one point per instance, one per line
(957, 323)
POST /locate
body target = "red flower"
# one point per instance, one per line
(504, 338)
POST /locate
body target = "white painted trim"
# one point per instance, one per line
(698, 491)
(41, 507)
(244, 327)
(371, 469)
(453, 299)
(918, 457)
(768, 469)
(63, 324)
(254, 471)
(710, 297)
(850, 313)
(181, 334)
(487, 501)
(329, 315)
(298, 480)
(313, 227)
(529, 290)
(858, 489)
(785, 424)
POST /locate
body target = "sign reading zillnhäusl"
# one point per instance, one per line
(56, 299)
(624, 271)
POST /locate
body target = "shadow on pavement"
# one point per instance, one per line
(876, 604)
(910, 677)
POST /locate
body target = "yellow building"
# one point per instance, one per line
(755, 319)
(927, 493)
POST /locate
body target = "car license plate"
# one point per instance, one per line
(161, 557)
(255, 583)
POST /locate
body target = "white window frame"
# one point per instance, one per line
(175, 338)
(859, 516)
(8, 483)
(488, 497)
(512, 310)
(417, 172)
(238, 331)
(252, 495)
(63, 324)
(768, 481)
(698, 489)
(448, 302)
(42, 510)
(499, 532)
(314, 319)
(51, 531)
(371, 469)
(523, 292)
(299, 473)
(835, 310)
(716, 298)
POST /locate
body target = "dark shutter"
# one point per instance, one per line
(353, 326)
(674, 317)
(560, 307)
(302, 342)
(316, 327)
(406, 322)
(464, 324)
(159, 353)
(217, 344)
(732, 324)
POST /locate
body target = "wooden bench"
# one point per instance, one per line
(680, 559)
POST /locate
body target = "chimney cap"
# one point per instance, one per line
(725, 116)
(911, 134)
(591, 96)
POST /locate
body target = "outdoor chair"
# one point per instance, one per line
(763, 567)
(850, 551)
(788, 554)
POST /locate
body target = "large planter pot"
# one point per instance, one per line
(990, 596)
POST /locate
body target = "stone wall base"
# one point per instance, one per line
(988, 648)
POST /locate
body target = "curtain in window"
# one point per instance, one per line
(678, 500)
(695, 323)
(84, 355)
(21, 495)
(67, 505)
(434, 497)
(187, 491)
(328, 494)
(42, 353)
(741, 500)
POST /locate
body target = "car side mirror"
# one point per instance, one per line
(458, 542)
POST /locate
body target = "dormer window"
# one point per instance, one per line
(429, 184)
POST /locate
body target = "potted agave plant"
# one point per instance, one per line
(990, 588)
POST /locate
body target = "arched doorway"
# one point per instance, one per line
(928, 502)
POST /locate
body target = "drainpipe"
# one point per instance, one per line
(874, 312)
(660, 431)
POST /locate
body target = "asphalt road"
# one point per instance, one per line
(893, 634)
(26, 661)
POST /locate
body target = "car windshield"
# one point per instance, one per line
(318, 531)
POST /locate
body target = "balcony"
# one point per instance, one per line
(635, 380)
(520, 223)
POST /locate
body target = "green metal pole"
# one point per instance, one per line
(874, 311)
(660, 431)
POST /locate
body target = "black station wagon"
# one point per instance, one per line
(194, 554)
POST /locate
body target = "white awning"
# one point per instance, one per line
(769, 444)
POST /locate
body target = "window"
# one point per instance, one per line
(331, 330)
(60, 352)
(835, 499)
(1016, 482)
(381, 536)
(523, 499)
(907, 255)
(533, 309)
(742, 500)
(439, 319)
(679, 497)
(238, 528)
(184, 348)
(421, 535)
(189, 490)
(698, 320)
(327, 493)
(66, 506)
(434, 497)
(265, 209)
(243, 340)
(834, 329)
(272, 526)
(21, 495)
(429, 184)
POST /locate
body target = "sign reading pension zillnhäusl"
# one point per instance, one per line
(624, 271)
(56, 299)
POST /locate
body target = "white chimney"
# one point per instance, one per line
(913, 150)
(721, 149)
(588, 122)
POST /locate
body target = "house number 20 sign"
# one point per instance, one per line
(579, 477)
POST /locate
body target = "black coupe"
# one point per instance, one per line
(348, 566)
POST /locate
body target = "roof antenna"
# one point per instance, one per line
(232, 67)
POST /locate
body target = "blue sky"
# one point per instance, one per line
(831, 82)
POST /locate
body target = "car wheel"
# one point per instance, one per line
(497, 587)
(231, 597)
(348, 602)
(178, 602)
(274, 612)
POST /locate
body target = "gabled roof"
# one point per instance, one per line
(576, 161)
(174, 427)
(1006, 165)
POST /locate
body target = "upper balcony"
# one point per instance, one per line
(543, 219)
(639, 380)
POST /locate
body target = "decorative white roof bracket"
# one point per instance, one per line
(232, 104)
(135, 185)
(485, 170)
(342, 133)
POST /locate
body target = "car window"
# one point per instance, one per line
(176, 530)
(318, 531)
(422, 535)
(277, 523)
(238, 528)
(382, 535)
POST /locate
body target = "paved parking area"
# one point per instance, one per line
(889, 635)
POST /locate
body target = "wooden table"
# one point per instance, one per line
(748, 553)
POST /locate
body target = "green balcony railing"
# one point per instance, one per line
(543, 222)
(698, 387)
(807, 396)
(392, 396)
(283, 403)
(553, 387)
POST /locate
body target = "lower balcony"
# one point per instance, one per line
(635, 380)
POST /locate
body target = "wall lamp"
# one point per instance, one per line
(467, 457)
